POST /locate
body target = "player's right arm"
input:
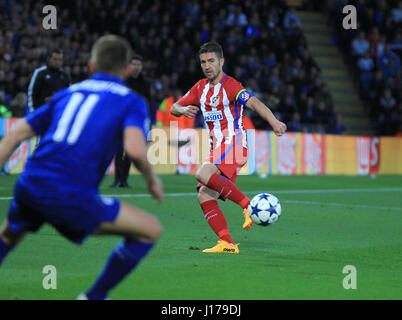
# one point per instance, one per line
(21, 132)
(35, 123)
(187, 105)
(189, 111)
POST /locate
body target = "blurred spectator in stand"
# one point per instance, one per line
(387, 107)
(294, 125)
(286, 108)
(396, 43)
(236, 17)
(323, 95)
(308, 115)
(376, 87)
(385, 65)
(322, 114)
(300, 83)
(273, 97)
(374, 38)
(366, 66)
(4, 111)
(290, 17)
(308, 61)
(360, 46)
(274, 78)
(270, 60)
(338, 126)
(19, 106)
(397, 13)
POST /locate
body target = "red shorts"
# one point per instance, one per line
(229, 159)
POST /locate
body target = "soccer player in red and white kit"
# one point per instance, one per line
(221, 99)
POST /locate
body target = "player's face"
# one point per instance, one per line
(56, 60)
(136, 67)
(211, 65)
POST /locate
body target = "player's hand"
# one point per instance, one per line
(190, 111)
(155, 188)
(279, 128)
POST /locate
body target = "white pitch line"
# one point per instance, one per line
(306, 191)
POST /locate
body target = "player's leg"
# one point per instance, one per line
(20, 220)
(220, 174)
(140, 231)
(217, 221)
(209, 175)
(8, 240)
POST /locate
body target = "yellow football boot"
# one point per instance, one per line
(247, 220)
(223, 247)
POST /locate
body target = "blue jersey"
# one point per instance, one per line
(82, 129)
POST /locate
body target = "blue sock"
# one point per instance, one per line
(4, 250)
(121, 262)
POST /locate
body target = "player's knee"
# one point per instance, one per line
(202, 196)
(202, 176)
(155, 230)
(158, 230)
(205, 194)
(199, 176)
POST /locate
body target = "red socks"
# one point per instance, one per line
(216, 220)
(228, 190)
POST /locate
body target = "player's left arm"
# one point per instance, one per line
(264, 112)
(21, 132)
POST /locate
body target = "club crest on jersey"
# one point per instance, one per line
(212, 115)
(215, 101)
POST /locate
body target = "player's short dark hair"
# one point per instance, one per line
(211, 47)
(111, 53)
(137, 56)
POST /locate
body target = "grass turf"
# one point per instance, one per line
(302, 256)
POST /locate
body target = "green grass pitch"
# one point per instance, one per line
(327, 223)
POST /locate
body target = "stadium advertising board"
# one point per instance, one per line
(293, 153)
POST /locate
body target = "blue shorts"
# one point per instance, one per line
(74, 216)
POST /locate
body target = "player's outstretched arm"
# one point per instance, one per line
(21, 132)
(179, 110)
(264, 112)
(136, 148)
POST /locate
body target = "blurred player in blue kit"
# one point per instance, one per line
(82, 127)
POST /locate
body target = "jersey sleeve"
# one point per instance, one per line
(138, 116)
(191, 97)
(237, 93)
(40, 119)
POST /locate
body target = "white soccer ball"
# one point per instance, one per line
(264, 209)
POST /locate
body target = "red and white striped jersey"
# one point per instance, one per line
(222, 108)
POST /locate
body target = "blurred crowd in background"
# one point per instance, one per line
(263, 43)
(374, 51)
